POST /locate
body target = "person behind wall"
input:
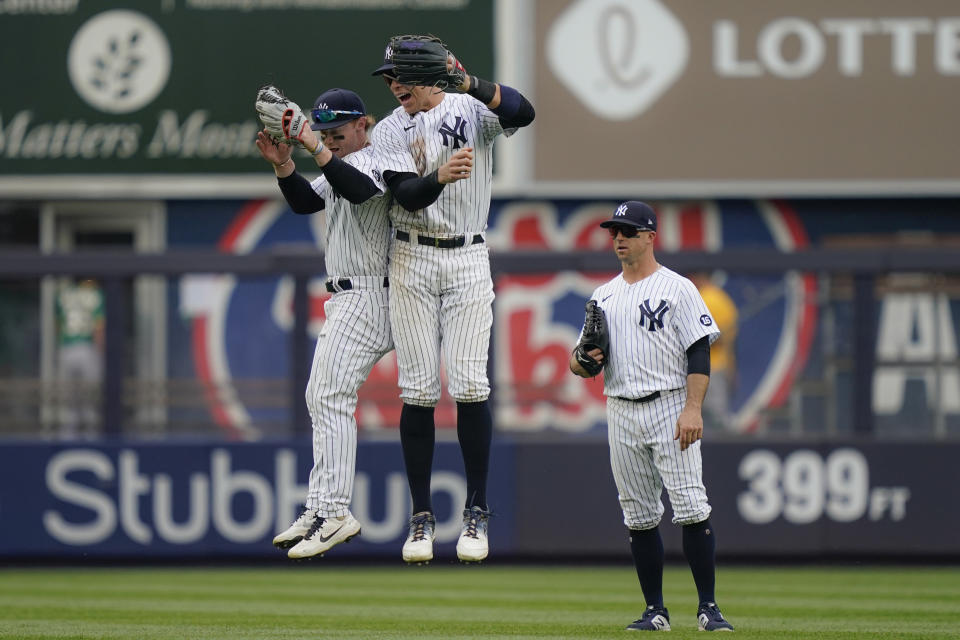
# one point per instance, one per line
(723, 358)
(80, 329)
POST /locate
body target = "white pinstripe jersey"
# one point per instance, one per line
(422, 142)
(652, 323)
(357, 236)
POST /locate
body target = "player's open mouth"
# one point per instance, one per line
(404, 98)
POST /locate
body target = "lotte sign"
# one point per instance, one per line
(745, 98)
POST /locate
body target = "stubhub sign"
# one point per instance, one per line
(211, 499)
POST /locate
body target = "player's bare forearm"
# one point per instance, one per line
(697, 384)
(313, 144)
(690, 422)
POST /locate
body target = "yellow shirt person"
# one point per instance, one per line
(723, 358)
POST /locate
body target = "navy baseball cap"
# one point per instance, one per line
(635, 214)
(336, 107)
(387, 62)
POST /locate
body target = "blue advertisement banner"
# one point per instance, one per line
(215, 499)
(769, 499)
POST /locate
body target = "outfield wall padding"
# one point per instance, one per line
(113, 500)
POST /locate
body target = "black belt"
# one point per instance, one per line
(344, 284)
(440, 243)
(649, 398)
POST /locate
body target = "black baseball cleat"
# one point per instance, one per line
(653, 619)
(709, 618)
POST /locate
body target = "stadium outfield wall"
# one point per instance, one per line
(188, 500)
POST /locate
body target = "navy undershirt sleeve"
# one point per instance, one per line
(514, 110)
(299, 194)
(412, 192)
(348, 181)
(698, 357)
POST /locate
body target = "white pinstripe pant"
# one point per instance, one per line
(645, 458)
(354, 337)
(441, 299)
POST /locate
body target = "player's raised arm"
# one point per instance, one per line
(511, 107)
(336, 128)
(295, 188)
(426, 61)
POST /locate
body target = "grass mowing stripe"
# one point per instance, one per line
(446, 602)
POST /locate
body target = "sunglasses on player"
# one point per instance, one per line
(626, 230)
(321, 116)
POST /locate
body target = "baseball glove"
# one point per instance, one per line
(426, 61)
(283, 119)
(595, 336)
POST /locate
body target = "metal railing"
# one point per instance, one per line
(115, 269)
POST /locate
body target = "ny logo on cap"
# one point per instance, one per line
(621, 210)
(388, 53)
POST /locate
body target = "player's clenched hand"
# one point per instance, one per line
(689, 427)
(578, 369)
(458, 167)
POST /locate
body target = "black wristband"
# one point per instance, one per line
(482, 90)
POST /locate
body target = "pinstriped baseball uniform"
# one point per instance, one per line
(354, 337)
(651, 323)
(435, 291)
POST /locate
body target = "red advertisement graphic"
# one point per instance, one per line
(537, 317)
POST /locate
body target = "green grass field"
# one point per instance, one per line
(311, 600)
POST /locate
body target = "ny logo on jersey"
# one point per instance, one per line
(453, 134)
(653, 317)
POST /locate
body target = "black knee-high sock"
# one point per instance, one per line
(699, 545)
(647, 549)
(416, 439)
(475, 431)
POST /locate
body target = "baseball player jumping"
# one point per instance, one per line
(356, 333)
(436, 154)
(657, 369)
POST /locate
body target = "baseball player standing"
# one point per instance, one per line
(81, 324)
(656, 375)
(356, 333)
(442, 294)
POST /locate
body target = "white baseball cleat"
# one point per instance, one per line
(419, 545)
(297, 530)
(472, 545)
(325, 534)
